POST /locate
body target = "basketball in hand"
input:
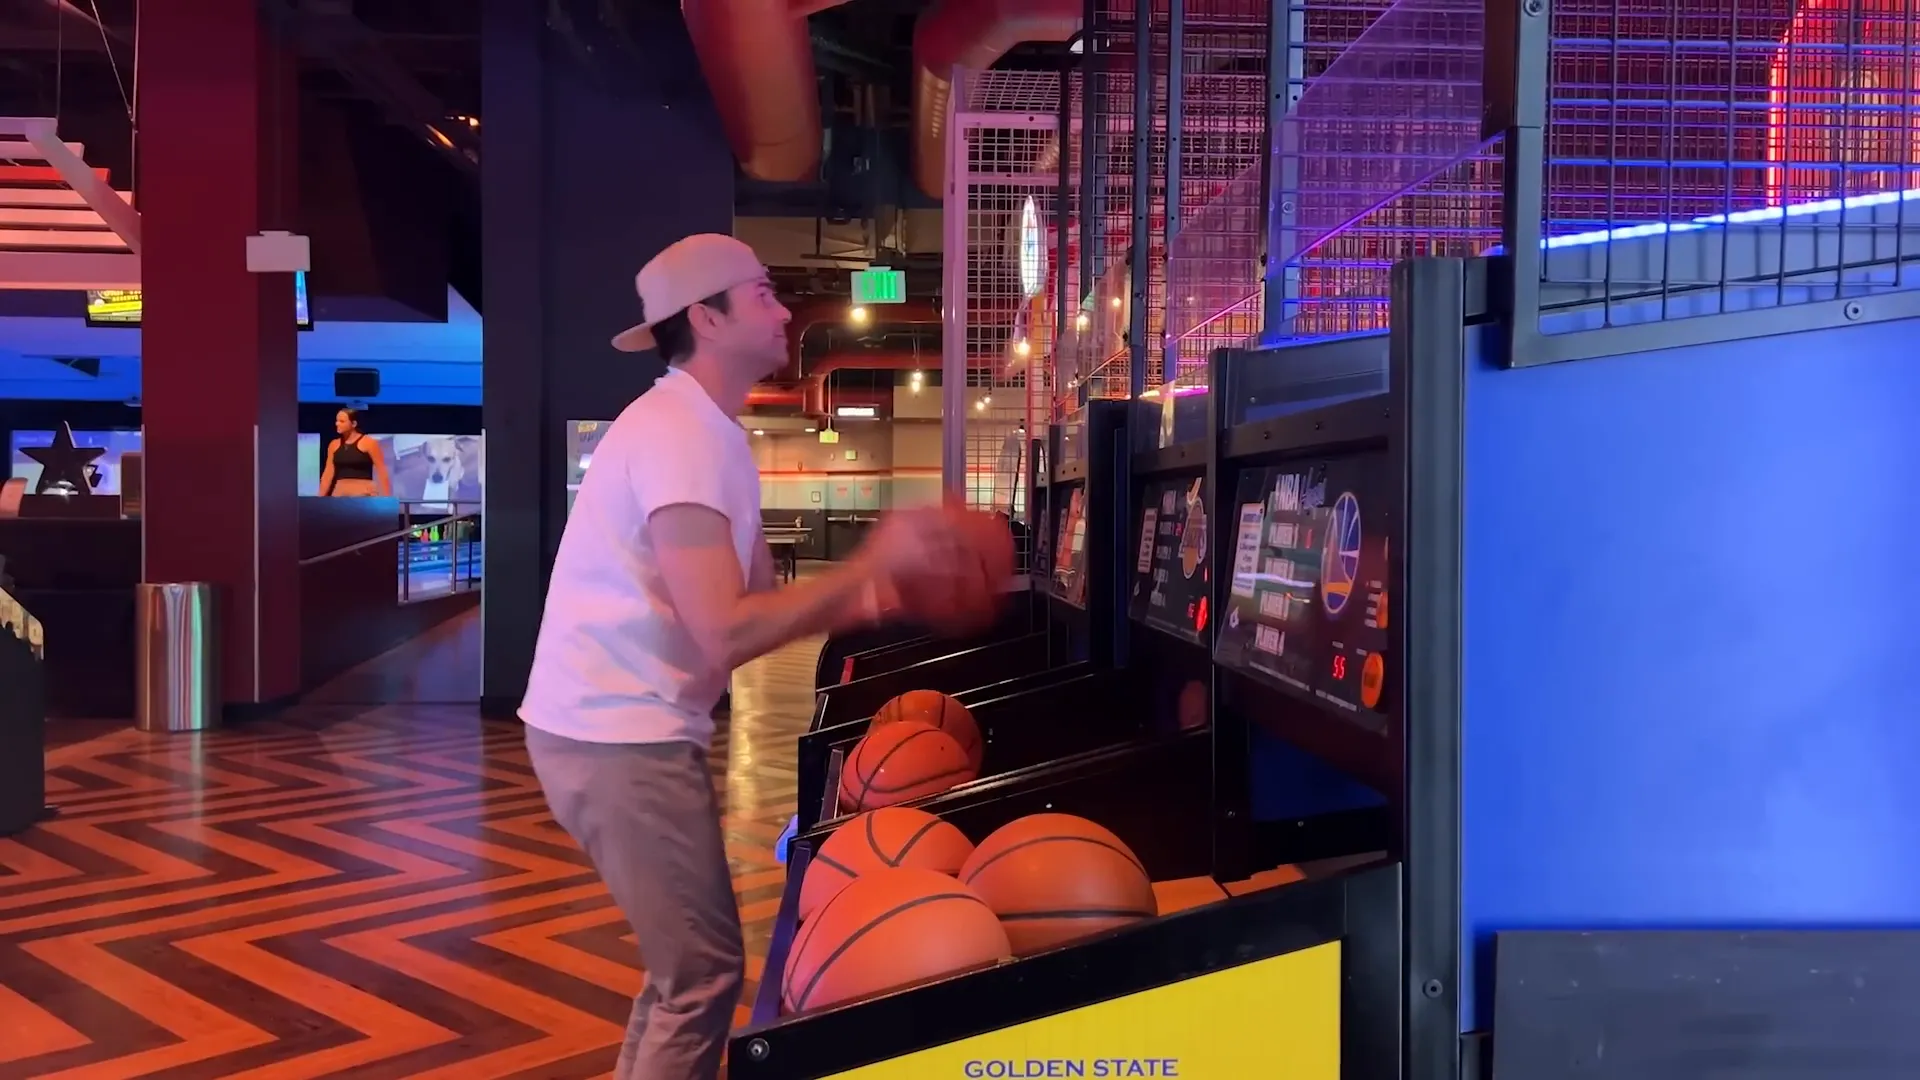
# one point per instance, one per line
(962, 594)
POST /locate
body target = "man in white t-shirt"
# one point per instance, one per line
(663, 585)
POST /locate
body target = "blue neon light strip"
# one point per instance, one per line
(1739, 217)
(1758, 216)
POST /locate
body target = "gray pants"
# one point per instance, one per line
(647, 817)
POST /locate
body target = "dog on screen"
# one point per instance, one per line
(445, 470)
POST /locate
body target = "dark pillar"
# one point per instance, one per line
(218, 372)
(587, 172)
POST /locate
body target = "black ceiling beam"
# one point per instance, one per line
(328, 31)
(47, 39)
(829, 52)
(44, 25)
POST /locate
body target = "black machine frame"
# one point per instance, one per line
(1097, 628)
(1419, 420)
(1396, 912)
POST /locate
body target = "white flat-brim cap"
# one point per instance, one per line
(687, 272)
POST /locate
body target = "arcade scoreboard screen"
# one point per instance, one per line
(1171, 575)
(1070, 549)
(1307, 607)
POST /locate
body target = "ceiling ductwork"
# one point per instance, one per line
(812, 395)
(838, 312)
(876, 360)
(974, 34)
(765, 397)
(758, 60)
(812, 398)
(819, 396)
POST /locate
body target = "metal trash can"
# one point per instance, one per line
(176, 657)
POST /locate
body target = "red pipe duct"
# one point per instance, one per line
(810, 313)
(821, 403)
(816, 384)
(877, 360)
(973, 33)
(812, 395)
(758, 60)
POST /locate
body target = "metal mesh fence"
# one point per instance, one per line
(1066, 351)
(1000, 257)
(1709, 156)
(1107, 219)
(1213, 270)
(1699, 156)
(1374, 162)
(1214, 279)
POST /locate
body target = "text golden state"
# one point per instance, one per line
(1038, 1068)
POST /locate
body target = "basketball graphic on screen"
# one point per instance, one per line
(900, 761)
(1340, 567)
(1193, 538)
(881, 840)
(941, 711)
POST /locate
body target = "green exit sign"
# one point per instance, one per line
(879, 285)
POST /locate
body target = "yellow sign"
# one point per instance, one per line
(114, 305)
(1278, 1017)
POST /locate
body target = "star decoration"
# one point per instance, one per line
(63, 461)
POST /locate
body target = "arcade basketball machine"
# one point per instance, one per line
(1271, 959)
(1294, 955)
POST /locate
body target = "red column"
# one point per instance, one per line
(219, 382)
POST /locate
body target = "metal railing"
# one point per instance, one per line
(448, 543)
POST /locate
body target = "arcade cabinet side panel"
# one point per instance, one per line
(1689, 639)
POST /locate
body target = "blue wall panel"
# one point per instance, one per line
(420, 363)
(401, 382)
(1691, 594)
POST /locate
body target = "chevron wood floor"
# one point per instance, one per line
(371, 891)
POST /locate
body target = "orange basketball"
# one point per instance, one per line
(1192, 706)
(886, 930)
(879, 840)
(1054, 877)
(900, 761)
(967, 596)
(991, 538)
(940, 710)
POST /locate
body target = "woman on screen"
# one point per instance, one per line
(355, 466)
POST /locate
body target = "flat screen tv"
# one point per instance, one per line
(121, 307)
(432, 469)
